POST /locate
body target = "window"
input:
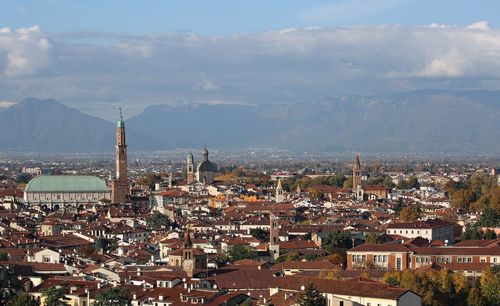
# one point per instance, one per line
(341, 303)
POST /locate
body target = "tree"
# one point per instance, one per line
(392, 278)
(336, 258)
(372, 238)
(9, 285)
(292, 256)
(471, 233)
(409, 214)
(260, 234)
(489, 234)
(311, 297)
(312, 257)
(412, 182)
(105, 245)
(490, 285)
(23, 299)
(337, 239)
(158, 220)
(475, 297)
(239, 252)
(112, 297)
(489, 218)
(54, 296)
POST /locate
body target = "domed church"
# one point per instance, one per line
(205, 171)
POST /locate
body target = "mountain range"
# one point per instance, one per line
(428, 121)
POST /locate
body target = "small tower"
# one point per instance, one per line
(205, 154)
(298, 190)
(187, 255)
(190, 168)
(356, 173)
(280, 194)
(170, 178)
(274, 228)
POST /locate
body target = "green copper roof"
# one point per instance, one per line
(66, 183)
(120, 123)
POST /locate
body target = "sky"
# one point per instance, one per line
(101, 55)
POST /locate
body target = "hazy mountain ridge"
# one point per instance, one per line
(428, 121)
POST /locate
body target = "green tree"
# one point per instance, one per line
(239, 252)
(312, 257)
(489, 234)
(288, 257)
(471, 233)
(112, 297)
(23, 299)
(260, 234)
(158, 220)
(337, 239)
(410, 183)
(489, 218)
(311, 297)
(105, 245)
(9, 285)
(475, 298)
(54, 296)
(490, 285)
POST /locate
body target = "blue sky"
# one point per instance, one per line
(101, 55)
(222, 17)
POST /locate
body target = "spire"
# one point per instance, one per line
(187, 239)
(358, 162)
(205, 153)
(120, 123)
(279, 185)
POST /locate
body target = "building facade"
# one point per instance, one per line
(434, 229)
(59, 191)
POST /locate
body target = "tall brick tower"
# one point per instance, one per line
(356, 173)
(119, 186)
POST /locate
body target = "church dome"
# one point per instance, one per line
(207, 166)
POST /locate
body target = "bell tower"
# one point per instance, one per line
(274, 228)
(190, 168)
(280, 193)
(356, 173)
(119, 186)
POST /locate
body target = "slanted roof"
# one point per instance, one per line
(66, 183)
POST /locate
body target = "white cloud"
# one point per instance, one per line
(270, 67)
(205, 83)
(6, 104)
(480, 25)
(25, 51)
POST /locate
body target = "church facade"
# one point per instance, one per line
(205, 171)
